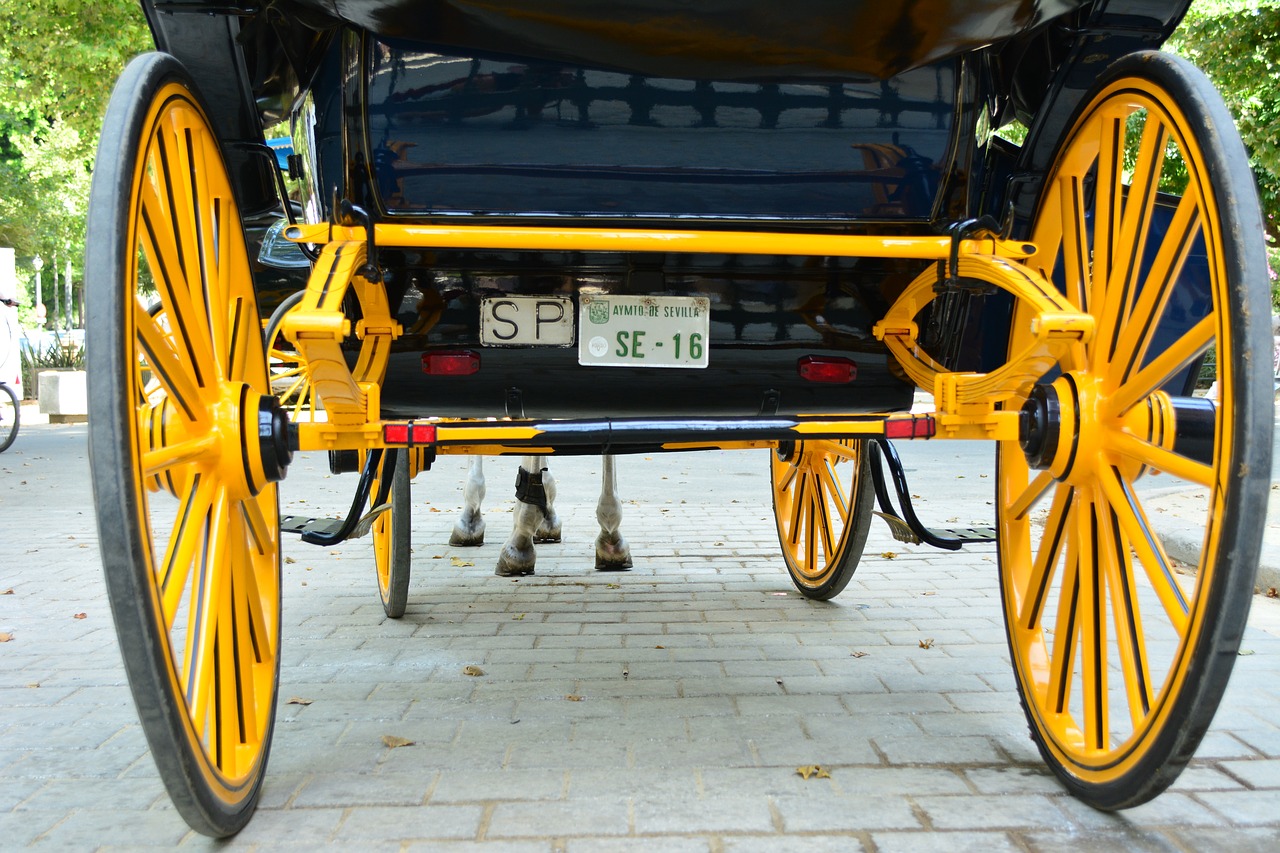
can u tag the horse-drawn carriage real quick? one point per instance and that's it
(641, 226)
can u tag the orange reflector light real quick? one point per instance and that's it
(827, 369)
(409, 434)
(450, 363)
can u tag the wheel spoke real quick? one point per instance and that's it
(1093, 627)
(1108, 197)
(1065, 639)
(831, 485)
(206, 599)
(1155, 563)
(1075, 249)
(186, 546)
(1026, 500)
(1160, 459)
(1189, 347)
(1124, 279)
(1035, 593)
(181, 453)
(1135, 337)
(178, 376)
(1130, 639)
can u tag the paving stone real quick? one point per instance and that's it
(694, 748)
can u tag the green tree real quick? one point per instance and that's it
(58, 62)
(1237, 43)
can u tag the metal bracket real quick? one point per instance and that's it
(907, 527)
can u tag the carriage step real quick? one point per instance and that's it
(328, 528)
(960, 535)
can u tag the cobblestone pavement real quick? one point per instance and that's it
(662, 709)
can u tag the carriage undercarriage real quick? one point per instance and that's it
(1126, 291)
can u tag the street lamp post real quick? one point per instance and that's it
(66, 326)
(38, 263)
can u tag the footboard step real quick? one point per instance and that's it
(953, 536)
(302, 524)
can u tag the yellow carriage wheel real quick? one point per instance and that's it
(1123, 621)
(287, 371)
(187, 446)
(822, 499)
(391, 536)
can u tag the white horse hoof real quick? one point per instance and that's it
(513, 563)
(466, 538)
(612, 556)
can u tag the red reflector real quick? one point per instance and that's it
(401, 433)
(450, 363)
(922, 427)
(823, 369)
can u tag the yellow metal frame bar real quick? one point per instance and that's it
(967, 402)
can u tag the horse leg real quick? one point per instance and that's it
(549, 528)
(612, 551)
(469, 529)
(517, 556)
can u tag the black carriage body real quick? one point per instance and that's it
(861, 119)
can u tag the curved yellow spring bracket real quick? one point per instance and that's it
(1056, 326)
(317, 328)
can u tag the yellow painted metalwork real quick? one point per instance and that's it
(1055, 325)
(574, 239)
(317, 329)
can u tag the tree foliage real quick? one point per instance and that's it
(1237, 44)
(58, 62)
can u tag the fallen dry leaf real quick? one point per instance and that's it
(4, 638)
(392, 741)
(290, 560)
(1271, 593)
(81, 616)
(298, 700)
(518, 618)
(888, 555)
(472, 670)
(860, 654)
(813, 771)
(926, 644)
(460, 563)
(1245, 652)
(9, 591)
(930, 592)
(574, 697)
(659, 647)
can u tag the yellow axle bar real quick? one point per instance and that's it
(575, 239)
(675, 434)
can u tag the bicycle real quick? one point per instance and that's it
(10, 407)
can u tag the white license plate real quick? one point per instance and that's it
(526, 321)
(643, 331)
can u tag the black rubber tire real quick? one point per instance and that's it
(1120, 665)
(391, 540)
(215, 788)
(10, 415)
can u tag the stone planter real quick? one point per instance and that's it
(64, 396)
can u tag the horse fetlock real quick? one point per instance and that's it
(468, 531)
(548, 529)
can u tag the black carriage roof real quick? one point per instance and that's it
(710, 39)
